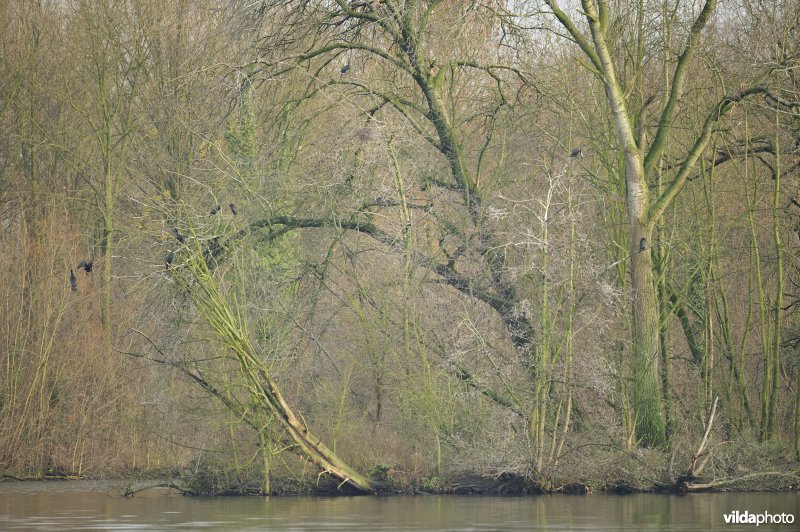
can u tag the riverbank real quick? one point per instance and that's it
(464, 485)
(94, 505)
(741, 466)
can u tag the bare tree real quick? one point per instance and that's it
(642, 160)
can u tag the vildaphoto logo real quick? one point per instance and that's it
(764, 518)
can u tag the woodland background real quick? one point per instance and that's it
(535, 242)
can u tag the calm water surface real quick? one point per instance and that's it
(84, 505)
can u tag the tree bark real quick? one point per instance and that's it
(649, 420)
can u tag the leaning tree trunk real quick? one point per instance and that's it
(310, 445)
(195, 277)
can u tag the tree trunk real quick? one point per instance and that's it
(647, 390)
(310, 445)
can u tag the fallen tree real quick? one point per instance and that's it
(266, 401)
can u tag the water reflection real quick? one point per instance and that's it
(97, 506)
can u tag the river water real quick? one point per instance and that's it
(85, 505)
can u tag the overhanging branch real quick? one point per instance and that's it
(723, 107)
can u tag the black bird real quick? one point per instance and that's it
(73, 282)
(575, 153)
(169, 258)
(174, 232)
(345, 68)
(233, 209)
(215, 210)
(642, 244)
(86, 265)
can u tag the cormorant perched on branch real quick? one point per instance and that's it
(345, 68)
(174, 232)
(215, 210)
(86, 265)
(575, 153)
(432, 68)
(169, 258)
(73, 282)
(643, 244)
(233, 209)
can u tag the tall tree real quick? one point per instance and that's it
(642, 161)
(418, 67)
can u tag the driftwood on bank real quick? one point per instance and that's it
(128, 492)
(724, 483)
